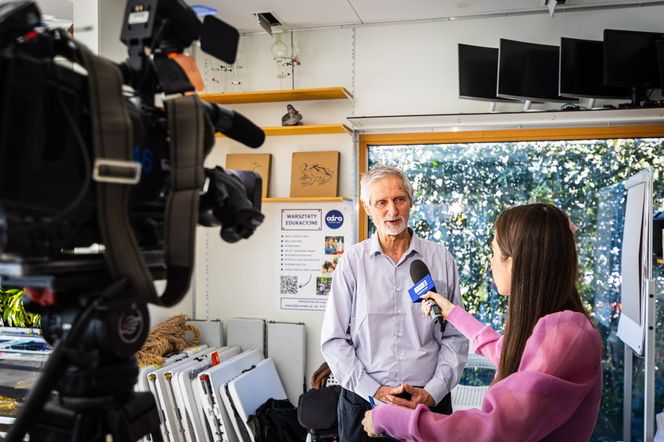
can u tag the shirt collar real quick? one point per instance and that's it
(415, 245)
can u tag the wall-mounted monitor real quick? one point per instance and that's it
(630, 58)
(478, 73)
(582, 71)
(529, 71)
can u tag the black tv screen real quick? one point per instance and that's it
(630, 58)
(582, 70)
(528, 71)
(478, 73)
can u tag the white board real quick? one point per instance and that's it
(252, 389)
(248, 334)
(286, 346)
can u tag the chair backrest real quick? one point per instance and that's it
(477, 361)
(465, 397)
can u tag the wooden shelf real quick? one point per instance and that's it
(324, 93)
(329, 199)
(310, 129)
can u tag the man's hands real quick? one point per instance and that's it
(390, 395)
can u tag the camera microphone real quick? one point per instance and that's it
(419, 273)
(234, 125)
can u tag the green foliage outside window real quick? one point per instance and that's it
(461, 188)
(12, 311)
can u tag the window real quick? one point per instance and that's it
(462, 185)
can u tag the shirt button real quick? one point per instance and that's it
(398, 311)
(399, 334)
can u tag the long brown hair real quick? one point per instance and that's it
(544, 273)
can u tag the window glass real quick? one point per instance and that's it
(461, 188)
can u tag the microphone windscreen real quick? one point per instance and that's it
(418, 270)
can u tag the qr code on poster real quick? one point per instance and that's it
(289, 285)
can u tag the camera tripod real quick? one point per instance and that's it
(93, 370)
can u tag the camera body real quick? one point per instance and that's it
(51, 173)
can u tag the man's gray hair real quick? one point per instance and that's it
(378, 173)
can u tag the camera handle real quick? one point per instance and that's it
(95, 388)
(112, 139)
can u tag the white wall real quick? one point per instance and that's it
(417, 63)
(397, 69)
(97, 24)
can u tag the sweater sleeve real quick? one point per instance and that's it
(485, 340)
(560, 366)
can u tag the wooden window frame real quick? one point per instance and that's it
(491, 136)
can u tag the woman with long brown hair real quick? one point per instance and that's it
(549, 378)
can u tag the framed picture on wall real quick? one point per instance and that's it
(255, 162)
(315, 174)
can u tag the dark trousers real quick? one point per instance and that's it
(351, 409)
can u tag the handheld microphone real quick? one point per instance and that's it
(419, 273)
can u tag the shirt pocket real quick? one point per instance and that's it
(441, 287)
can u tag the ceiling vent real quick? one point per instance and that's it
(267, 21)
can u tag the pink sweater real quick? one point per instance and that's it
(553, 396)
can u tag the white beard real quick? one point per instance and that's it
(395, 230)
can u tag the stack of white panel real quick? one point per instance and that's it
(162, 386)
(212, 383)
(249, 391)
(188, 403)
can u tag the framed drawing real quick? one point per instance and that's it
(255, 162)
(315, 174)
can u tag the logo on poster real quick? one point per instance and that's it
(334, 219)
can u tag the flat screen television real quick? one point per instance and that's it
(478, 73)
(529, 71)
(630, 58)
(582, 71)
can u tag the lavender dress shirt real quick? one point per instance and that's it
(374, 335)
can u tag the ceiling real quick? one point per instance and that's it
(321, 13)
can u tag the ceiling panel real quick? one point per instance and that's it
(292, 13)
(383, 11)
(319, 13)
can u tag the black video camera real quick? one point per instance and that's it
(64, 114)
(96, 153)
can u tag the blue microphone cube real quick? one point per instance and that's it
(422, 287)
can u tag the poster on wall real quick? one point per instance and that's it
(312, 238)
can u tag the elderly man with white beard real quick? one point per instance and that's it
(375, 340)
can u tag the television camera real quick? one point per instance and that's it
(98, 153)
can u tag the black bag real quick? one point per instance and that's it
(277, 421)
(317, 409)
